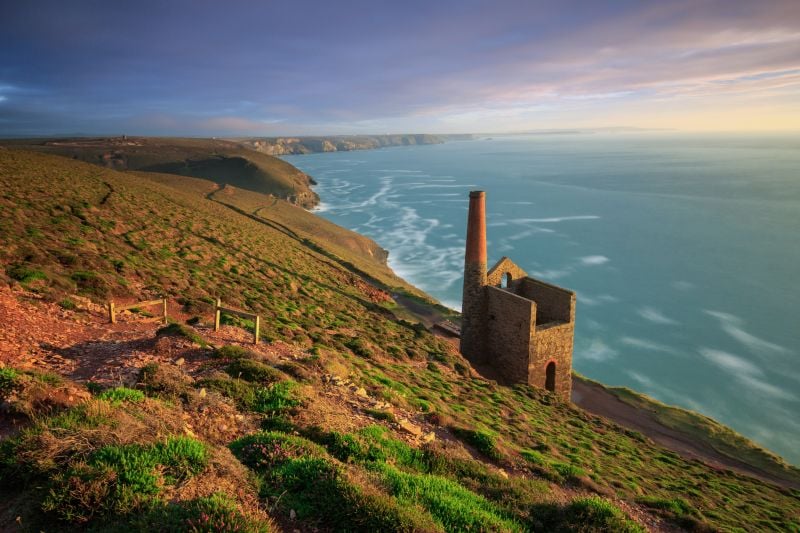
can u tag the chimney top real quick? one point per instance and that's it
(476, 194)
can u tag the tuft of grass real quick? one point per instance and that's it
(117, 395)
(276, 398)
(379, 414)
(232, 351)
(483, 441)
(67, 304)
(451, 505)
(179, 330)
(217, 512)
(597, 514)
(24, 274)
(253, 371)
(8, 381)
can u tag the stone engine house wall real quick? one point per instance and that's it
(522, 327)
(510, 321)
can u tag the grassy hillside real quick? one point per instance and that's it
(224, 162)
(350, 417)
(705, 431)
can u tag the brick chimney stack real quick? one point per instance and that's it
(475, 268)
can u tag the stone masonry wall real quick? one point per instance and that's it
(552, 344)
(553, 304)
(509, 323)
(504, 266)
(473, 314)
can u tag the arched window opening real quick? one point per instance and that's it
(550, 377)
(505, 280)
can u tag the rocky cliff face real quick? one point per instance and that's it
(307, 145)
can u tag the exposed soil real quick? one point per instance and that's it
(599, 401)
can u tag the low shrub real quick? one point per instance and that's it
(24, 273)
(254, 371)
(232, 351)
(165, 380)
(211, 514)
(119, 479)
(179, 330)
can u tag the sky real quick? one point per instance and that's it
(298, 67)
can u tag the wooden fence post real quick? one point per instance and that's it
(165, 311)
(111, 315)
(256, 332)
(217, 313)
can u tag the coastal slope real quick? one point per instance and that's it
(347, 414)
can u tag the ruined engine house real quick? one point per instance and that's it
(520, 327)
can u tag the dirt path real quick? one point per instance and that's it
(596, 400)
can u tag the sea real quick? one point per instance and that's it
(683, 249)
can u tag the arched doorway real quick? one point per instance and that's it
(550, 376)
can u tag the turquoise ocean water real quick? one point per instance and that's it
(684, 251)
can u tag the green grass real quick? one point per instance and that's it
(452, 506)
(8, 381)
(597, 514)
(253, 371)
(706, 430)
(483, 441)
(24, 274)
(215, 513)
(118, 395)
(120, 479)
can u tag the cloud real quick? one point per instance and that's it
(350, 66)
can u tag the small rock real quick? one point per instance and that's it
(203, 392)
(292, 514)
(503, 473)
(429, 437)
(408, 427)
(180, 361)
(361, 391)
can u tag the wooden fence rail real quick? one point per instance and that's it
(219, 309)
(113, 309)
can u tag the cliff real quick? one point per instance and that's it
(307, 145)
(348, 415)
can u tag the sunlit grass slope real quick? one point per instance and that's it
(221, 161)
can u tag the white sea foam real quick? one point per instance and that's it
(732, 325)
(553, 220)
(730, 362)
(646, 344)
(655, 316)
(598, 351)
(594, 260)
